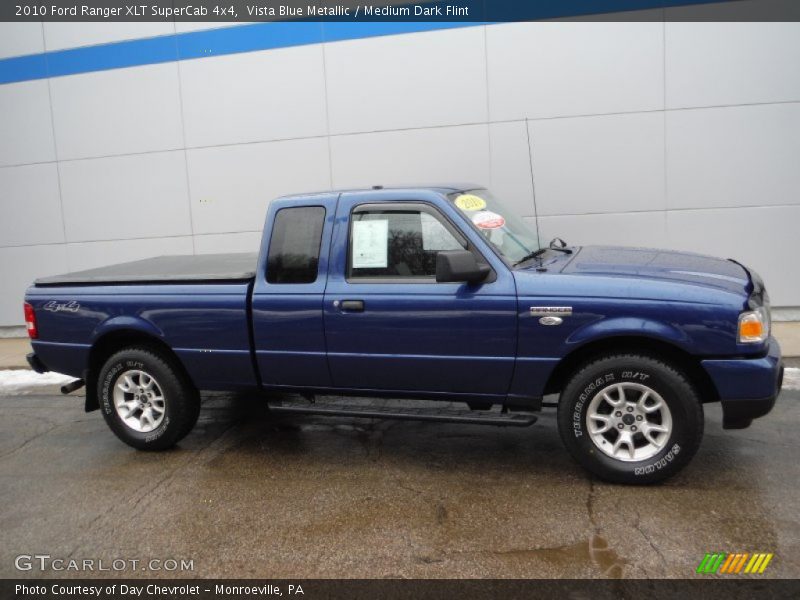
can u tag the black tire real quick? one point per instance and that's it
(181, 401)
(681, 398)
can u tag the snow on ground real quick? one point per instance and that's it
(791, 379)
(14, 381)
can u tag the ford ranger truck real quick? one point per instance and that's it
(424, 293)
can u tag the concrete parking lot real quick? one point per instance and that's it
(249, 495)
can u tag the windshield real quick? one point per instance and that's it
(508, 233)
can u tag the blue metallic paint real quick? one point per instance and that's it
(210, 336)
(288, 328)
(439, 340)
(441, 337)
(746, 379)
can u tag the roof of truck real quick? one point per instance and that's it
(446, 188)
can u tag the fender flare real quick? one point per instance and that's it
(109, 327)
(126, 323)
(627, 333)
(627, 327)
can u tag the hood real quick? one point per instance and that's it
(663, 265)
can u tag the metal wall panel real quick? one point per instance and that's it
(678, 135)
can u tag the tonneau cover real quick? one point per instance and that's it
(165, 269)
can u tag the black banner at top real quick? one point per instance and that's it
(488, 11)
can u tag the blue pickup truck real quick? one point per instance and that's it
(434, 293)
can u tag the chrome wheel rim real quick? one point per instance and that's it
(629, 421)
(139, 400)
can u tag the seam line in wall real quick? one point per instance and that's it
(664, 121)
(486, 73)
(488, 111)
(673, 210)
(327, 109)
(398, 130)
(378, 131)
(183, 137)
(57, 162)
(135, 239)
(537, 217)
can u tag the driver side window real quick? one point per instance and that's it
(398, 243)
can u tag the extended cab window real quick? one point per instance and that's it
(294, 246)
(398, 243)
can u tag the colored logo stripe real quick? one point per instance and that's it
(721, 562)
(735, 562)
(758, 563)
(711, 562)
(727, 564)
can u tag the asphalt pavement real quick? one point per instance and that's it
(251, 495)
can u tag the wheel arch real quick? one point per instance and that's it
(113, 341)
(627, 344)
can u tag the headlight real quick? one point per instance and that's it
(754, 326)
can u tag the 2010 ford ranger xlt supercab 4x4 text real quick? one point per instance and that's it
(425, 293)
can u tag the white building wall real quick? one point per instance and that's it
(678, 135)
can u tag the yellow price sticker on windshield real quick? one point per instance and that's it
(470, 202)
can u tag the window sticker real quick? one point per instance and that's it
(487, 219)
(435, 236)
(470, 202)
(371, 244)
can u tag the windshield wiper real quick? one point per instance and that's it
(530, 255)
(556, 244)
(559, 245)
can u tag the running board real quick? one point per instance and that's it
(441, 415)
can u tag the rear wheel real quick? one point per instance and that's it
(146, 400)
(630, 419)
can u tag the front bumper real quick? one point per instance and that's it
(747, 387)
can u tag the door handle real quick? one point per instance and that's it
(352, 305)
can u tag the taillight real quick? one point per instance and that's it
(30, 322)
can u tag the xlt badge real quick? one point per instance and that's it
(546, 311)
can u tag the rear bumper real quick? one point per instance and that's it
(35, 363)
(747, 387)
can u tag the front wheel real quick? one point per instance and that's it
(146, 400)
(630, 419)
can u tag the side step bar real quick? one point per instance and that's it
(441, 415)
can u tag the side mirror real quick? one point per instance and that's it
(459, 265)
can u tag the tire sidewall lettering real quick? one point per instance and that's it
(660, 463)
(669, 380)
(605, 377)
(107, 404)
(587, 393)
(108, 384)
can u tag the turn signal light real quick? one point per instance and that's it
(753, 326)
(751, 329)
(30, 322)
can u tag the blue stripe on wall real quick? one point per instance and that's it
(279, 34)
(199, 44)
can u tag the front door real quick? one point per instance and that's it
(390, 326)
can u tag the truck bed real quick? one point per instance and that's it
(164, 269)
